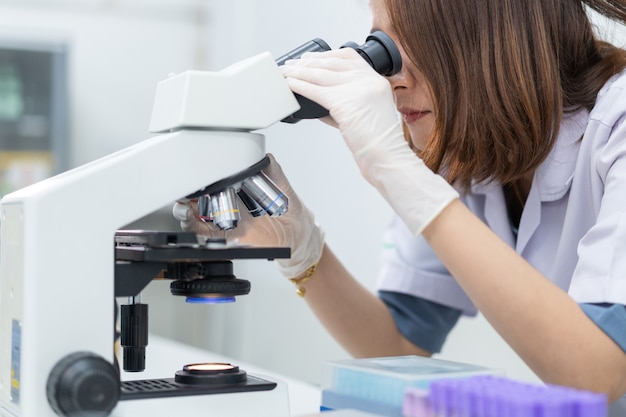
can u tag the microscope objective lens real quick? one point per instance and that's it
(224, 209)
(253, 207)
(204, 208)
(266, 194)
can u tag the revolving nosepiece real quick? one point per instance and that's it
(258, 193)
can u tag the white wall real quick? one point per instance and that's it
(121, 49)
(116, 58)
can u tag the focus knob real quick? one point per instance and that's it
(83, 385)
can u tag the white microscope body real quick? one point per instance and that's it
(57, 236)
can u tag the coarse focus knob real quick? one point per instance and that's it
(83, 385)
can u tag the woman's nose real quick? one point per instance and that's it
(401, 79)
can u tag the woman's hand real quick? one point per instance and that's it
(360, 102)
(295, 229)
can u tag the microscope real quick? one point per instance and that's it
(64, 262)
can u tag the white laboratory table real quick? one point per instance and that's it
(165, 356)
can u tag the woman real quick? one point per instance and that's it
(507, 172)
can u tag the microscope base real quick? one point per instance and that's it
(167, 387)
(265, 403)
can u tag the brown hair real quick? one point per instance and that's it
(502, 73)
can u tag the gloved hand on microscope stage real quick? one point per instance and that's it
(296, 229)
(361, 106)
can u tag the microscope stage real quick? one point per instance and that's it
(157, 246)
(141, 255)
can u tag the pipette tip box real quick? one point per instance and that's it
(378, 385)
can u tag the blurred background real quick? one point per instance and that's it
(77, 81)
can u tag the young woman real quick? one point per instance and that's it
(507, 172)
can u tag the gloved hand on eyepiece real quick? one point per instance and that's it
(296, 229)
(361, 105)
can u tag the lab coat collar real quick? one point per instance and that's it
(554, 176)
(551, 181)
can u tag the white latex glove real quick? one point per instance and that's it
(296, 229)
(360, 102)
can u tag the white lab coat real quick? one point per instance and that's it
(572, 229)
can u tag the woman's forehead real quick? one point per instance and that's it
(380, 19)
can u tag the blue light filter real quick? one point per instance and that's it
(210, 300)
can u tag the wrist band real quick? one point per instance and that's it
(299, 281)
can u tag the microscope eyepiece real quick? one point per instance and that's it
(379, 51)
(314, 45)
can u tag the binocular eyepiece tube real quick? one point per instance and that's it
(258, 193)
(379, 51)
